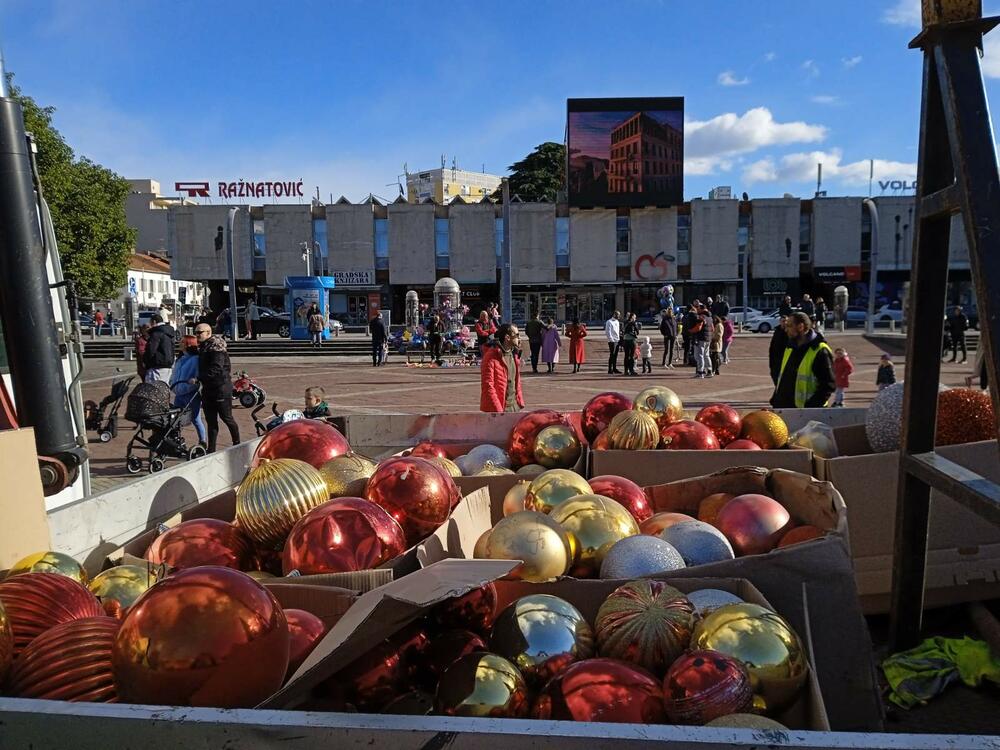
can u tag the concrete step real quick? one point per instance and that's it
(260, 348)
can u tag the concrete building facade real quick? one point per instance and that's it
(445, 185)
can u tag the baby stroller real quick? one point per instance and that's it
(103, 417)
(158, 428)
(279, 418)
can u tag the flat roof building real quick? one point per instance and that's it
(444, 185)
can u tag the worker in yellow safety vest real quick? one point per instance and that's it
(806, 379)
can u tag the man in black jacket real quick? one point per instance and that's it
(720, 307)
(159, 355)
(958, 324)
(215, 375)
(805, 379)
(776, 350)
(377, 330)
(535, 329)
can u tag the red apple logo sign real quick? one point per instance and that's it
(653, 268)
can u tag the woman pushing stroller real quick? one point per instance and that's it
(184, 384)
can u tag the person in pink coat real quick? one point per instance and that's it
(728, 332)
(551, 341)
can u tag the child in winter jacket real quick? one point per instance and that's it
(842, 369)
(886, 373)
(646, 350)
(715, 352)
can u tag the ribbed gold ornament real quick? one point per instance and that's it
(450, 466)
(272, 497)
(347, 475)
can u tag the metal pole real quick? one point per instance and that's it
(506, 301)
(873, 258)
(234, 330)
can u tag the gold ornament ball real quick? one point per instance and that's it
(479, 549)
(536, 540)
(661, 403)
(557, 447)
(50, 562)
(595, 523)
(490, 469)
(513, 501)
(117, 588)
(765, 643)
(530, 470)
(552, 487)
(347, 475)
(482, 685)
(276, 494)
(766, 429)
(632, 430)
(450, 466)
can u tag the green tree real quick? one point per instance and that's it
(87, 203)
(539, 175)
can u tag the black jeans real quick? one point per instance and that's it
(714, 356)
(958, 342)
(317, 337)
(376, 353)
(613, 348)
(629, 347)
(687, 356)
(435, 341)
(215, 408)
(536, 350)
(668, 350)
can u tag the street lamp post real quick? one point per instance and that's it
(233, 315)
(506, 297)
(307, 257)
(873, 259)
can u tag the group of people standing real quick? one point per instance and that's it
(545, 341)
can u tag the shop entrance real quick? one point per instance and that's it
(590, 308)
(529, 303)
(357, 309)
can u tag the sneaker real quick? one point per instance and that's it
(710, 375)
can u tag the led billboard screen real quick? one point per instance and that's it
(625, 152)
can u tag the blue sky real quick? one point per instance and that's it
(342, 94)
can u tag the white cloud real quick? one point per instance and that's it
(728, 78)
(811, 68)
(850, 62)
(991, 56)
(825, 99)
(903, 13)
(801, 167)
(770, 56)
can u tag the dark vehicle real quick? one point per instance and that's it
(271, 321)
(107, 329)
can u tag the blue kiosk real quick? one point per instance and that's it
(300, 293)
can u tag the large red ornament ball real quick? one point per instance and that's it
(688, 435)
(721, 419)
(35, 602)
(597, 413)
(965, 415)
(625, 492)
(475, 610)
(800, 534)
(704, 685)
(205, 636)
(521, 445)
(202, 541)
(428, 449)
(70, 662)
(305, 630)
(709, 507)
(753, 524)
(417, 492)
(341, 535)
(605, 690)
(742, 444)
(309, 440)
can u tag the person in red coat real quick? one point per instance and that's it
(842, 369)
(577, 332)
(500, 372)
(484, 329)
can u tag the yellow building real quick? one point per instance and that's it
(444, 185)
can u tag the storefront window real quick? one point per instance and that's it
(562, 242)
(381, 244)
(441, 243)
(643, 301)
(591, 308)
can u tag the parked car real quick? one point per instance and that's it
(762, 322)
(107, 329)
(856, 316)
(736, 313)
(271, 321)
(891, 312)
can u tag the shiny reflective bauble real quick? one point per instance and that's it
(765, 428)
(709, 600)
(201, 541)
(342, 535)
(741, 444)
(311, 440)
(765, 643)
(698, 543)
(800, 534)
(644, 622)
(489, 470)
(625, 492)
(521, 446)
(6, 643)
(747, 721)
(638, 556)
(704, 685)
(260, 575)
(883, 420)
(485, 455)
(534, 538)
(206, 636)
(276, 494)
(633, 431)
(418, 493)
(754, 524)
(35, 602)
(482, 685)
(265, 559)
(428, 449)
(117, 588)
(347, 475)
(513, 500)
(552, 487)
(723, 420)
(448, 465)
(70, 662)
(557, 447)
(965, 415)
(479, 548)
(541, 634)
(530, 470)
(305, 630)
(661, 403)
(597, 413)
(662, 520)
(688, 435)
(605, 690)
(709, 507)
(413, 703)
(445, 649)
(474, 610)
(50, 562)
(602, 442)
(595, 523)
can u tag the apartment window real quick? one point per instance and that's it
(866, 239)
(805, 238)
(381, 244)
(622, 234)
(498, 238)
(142, 285)
(562, 242)
(259, 246)
(684, 240)
(319, 237)
(741, 238)
(441, 243)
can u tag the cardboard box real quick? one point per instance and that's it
(963, 551)
(25, 528)
(662, 466)
(380, 613)
(328, 603)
